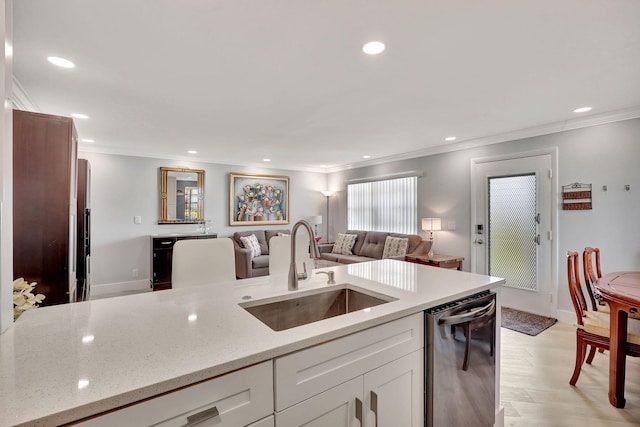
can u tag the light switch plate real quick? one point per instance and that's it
(137, 219)
(451, 225)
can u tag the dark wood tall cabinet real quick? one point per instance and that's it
(44, 204)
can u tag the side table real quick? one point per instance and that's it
(437, 260)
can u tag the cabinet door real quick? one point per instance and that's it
(161, 259)
(335, 407)
(393, 393)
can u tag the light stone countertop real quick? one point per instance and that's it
(63, 363)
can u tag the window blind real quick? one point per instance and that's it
(389, 205)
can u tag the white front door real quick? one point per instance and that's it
(512, 229)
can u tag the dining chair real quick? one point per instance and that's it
(593, 326)
(280, 254)
(202, 261)
(591, 275)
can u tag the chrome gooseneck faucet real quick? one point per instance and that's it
(315, 253)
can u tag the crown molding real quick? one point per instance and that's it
(546, 129)
(21, 99)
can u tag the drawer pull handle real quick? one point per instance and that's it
(166, 243)
(359, 410)
(201, 416)
(374, 405)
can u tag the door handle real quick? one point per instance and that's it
(359, 410)
(479, 241)
(374, 406)
(202, 416)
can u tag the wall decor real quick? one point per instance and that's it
(258, 199)
(181, 196)
(576, 197)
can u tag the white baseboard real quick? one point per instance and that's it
(566, 316)
(110, 288)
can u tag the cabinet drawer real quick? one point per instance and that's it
(239, 398)
(163, 242)
(306, 373)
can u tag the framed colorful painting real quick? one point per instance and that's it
(258, 199)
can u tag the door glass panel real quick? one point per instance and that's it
(512, 230)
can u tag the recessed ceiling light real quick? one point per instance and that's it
(266, 160)
(83, 384)
(366, 156)
(79, 116)
(373, 48)
(582, 109)
(87, 339)
(192, 152)
(450, 138)
(61, 62)
(87, 140)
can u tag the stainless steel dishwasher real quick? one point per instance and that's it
(460, 362)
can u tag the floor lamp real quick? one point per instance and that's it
(327, 194)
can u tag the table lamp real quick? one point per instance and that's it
(431, 225)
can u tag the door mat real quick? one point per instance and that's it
(526, 323)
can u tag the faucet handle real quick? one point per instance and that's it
(330, 276)
(303, 275)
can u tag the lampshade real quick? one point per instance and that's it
(316, 220)
(327, 193)
(431, 224)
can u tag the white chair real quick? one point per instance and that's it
(202, 261)
(280, 254)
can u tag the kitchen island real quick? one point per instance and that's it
(66, 363)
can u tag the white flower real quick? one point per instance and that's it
(23, 298)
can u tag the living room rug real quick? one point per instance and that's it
(526, 323)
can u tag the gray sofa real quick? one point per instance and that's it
(369, 246)
(246, 266)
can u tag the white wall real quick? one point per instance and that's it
(123, 187)
(6, 171)
(601, 155)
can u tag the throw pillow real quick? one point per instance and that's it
(344, 244)
(395, 246)
(251, 242)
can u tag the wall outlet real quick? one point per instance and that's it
(137, 219)
(134, 273)
(451, 225)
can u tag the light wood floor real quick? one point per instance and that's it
(535, 388)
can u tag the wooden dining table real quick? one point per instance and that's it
(621, 290)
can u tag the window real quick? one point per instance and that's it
(390, 205)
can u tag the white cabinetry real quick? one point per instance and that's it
(394, 393)
(352, 380)
(236, 399)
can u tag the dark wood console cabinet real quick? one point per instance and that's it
(162, 257)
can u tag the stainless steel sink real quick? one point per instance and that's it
(313, 306)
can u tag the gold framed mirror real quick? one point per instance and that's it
(181, 196)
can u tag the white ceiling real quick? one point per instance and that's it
(242, 80)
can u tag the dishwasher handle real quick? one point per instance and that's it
(477, 313)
